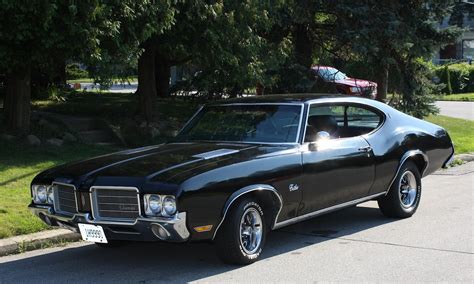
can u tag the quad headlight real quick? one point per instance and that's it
(169, 206)
(159, 205)
(42, 194)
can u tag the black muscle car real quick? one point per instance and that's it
(240, 168)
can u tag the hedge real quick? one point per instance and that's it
(457, 78)
(74, 71)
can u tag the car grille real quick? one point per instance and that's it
(115, 203)
(65, 199)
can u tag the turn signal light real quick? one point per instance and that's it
(202, 229)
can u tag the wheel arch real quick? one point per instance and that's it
(418, 157)
(267, 195)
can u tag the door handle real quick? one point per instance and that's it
(365, 149)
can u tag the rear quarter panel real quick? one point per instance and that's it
(402, 133)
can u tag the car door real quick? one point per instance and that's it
(339, 169)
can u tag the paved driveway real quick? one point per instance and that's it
(463, 110)
(357, 244)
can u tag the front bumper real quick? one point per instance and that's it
(143, 229)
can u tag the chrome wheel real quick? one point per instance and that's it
(251, 231)
(407, 189)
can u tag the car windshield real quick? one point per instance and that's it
(245, 123)
(331, 74)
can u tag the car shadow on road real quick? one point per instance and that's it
(149, 262)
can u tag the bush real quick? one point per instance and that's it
(74, 72)
(457, 77)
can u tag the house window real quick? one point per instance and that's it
(468, 48)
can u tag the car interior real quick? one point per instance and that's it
(341, 121)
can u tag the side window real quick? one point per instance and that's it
(358, 117)
(341, 121)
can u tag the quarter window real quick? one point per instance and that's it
(341, 121)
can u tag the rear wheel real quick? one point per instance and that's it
(404, 195)
(241, 238)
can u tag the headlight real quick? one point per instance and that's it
(40, 194)
(169, 206)
(152, 204)
(159, 205)
(355, 90)
(50, 195)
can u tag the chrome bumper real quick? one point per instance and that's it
(142, 229)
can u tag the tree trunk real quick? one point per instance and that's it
(17, 101)
(162, 76)
(60, 73)
(146, 84)
(303, 46)
(382, 84)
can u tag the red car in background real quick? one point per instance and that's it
(343, 84)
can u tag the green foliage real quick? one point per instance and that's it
(132, 25)
(461, 77)
(74, 72)
(417, 90)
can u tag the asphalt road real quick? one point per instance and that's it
(463, 110)
(356, 244)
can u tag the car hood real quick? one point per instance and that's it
(159, 163)
(356, 82)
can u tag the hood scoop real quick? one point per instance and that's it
(215, 154)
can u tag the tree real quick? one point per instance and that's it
(138, 25)
(35, 34)
(382, 35)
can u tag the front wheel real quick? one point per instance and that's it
(241, 238)
(404, 195)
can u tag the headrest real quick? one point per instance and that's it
(326, 123)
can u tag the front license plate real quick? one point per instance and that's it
(92, 233)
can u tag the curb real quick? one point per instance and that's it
(38, 240)
(467, 157)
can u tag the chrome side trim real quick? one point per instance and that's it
(95, 205)
(405, 157)
(325, 210)
(191, 119)
(56, 198)
(245, 190)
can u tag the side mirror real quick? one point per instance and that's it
(320, 137)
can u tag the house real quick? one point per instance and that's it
(463, 49)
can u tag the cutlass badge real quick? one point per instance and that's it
(293, 187)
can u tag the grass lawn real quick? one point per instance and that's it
(20, 163)
(115, 105)
(461, 131)
(458, 97)
(91, 80)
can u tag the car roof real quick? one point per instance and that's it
(302, 99)
(280, 98)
